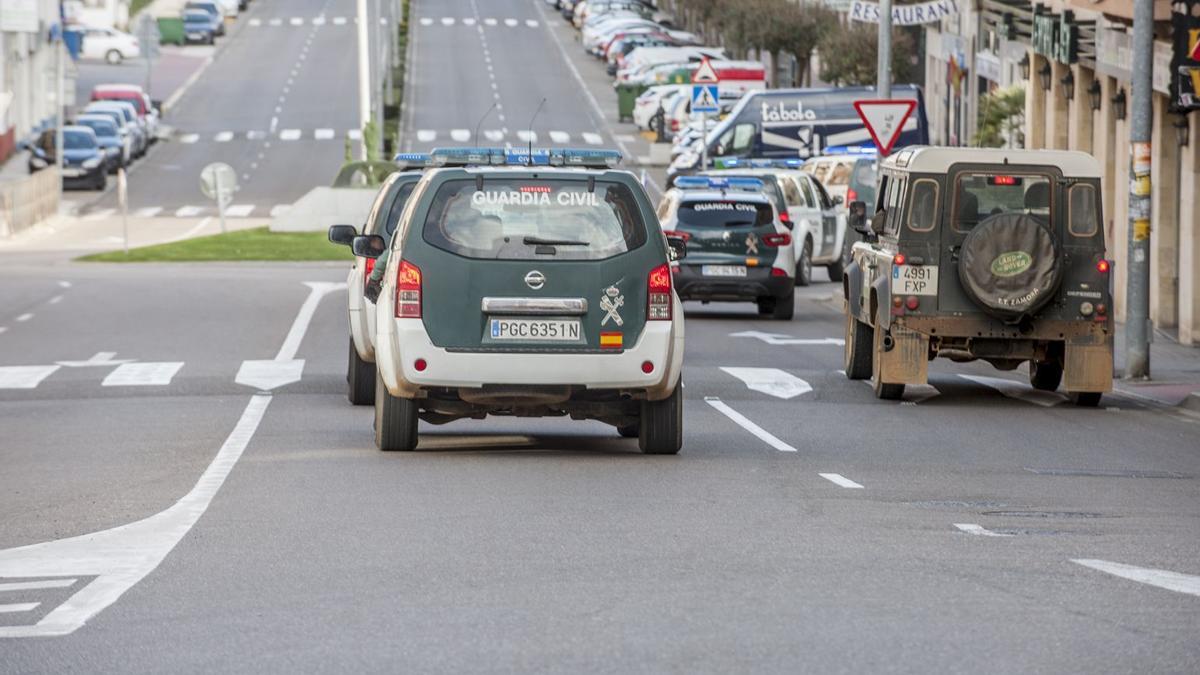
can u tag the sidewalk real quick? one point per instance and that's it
(63, 237)
(1174, 371)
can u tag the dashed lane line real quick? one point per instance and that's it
(223, 137)
(840, 480)
(239, 210)
(1172, 581)
(24, 377)
(187, 211)
(24, 317)
(742, 421)
(979, 530)
(147, 212)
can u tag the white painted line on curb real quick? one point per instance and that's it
(239, 210)
(1172, 581)
(24, 377)
(773, 381)
(187, 211)
(979, 530)
(289, 135)
(24, 317)
(18, 607)
(840, 480)
(746, 424)
(1018, 390)
(142, 374)
(147, 212)
(37, 585)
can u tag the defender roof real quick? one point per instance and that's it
(930, 159)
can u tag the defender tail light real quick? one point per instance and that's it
(1103, 266)
(408, 291)
(899, 259)
(777, 239)
(658, 307)
(912, 302)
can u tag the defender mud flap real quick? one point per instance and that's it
(907, 362)
(1088, 364)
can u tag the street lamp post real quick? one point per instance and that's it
(364, 75)
(883, 80)
(1137, 291)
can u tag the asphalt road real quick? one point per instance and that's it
(192, 523)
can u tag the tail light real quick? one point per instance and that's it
(777, 239)
(1103, 266)
(674, 125)
(408, 291)
(851, 195)
(659, 306)
(785, 218)
(776, 272)
(682, 235)
(368, 268)
(899, 259)
(912, 302)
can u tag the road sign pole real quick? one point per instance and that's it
(704, 141)
(123, 199)
(220, 199)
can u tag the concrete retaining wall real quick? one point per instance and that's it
(28, 201)
(324, 206)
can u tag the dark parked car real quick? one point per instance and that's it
(109, 138)
(213, 10)
(83, 159)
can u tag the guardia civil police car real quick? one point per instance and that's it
(528, 284)
(738, 248)
(362, 286)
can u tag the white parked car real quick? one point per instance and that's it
(646, 105)
(110, 45)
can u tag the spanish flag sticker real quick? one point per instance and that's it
(611, 341)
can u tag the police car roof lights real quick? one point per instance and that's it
(413, 160)
(758, 163)
(527, 157)
(518, 156)
(869, 150)
(596, 159)
(719, 183)
(468, 156)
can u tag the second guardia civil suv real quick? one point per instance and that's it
(529, 285)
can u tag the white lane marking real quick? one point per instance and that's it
(18, 607)
(323, 134)
(239, 210)
(147, 212)
(493, 135)
(291, 344)
(628, 138)
(782, 339)
(510, 22)
(490, 22)
(979, 530)
(426, 135)
(24, 377)
(460, 135)
(55, 300)
(100, 214)
(1172, 581)
(773, 381)
(426, 21)
(3, 329)
(354, 134)
(64, 284)
(531, 23)
(746, 424)
(527, 136)
(37, 585)
(317, 21)
(187, 211)
(447, 21)
(297, 21)
(223, 137)
(256, 22)
(839, 479)
(274, 124)
(289, 135)
(276, 22)
(142, 374)
(24, 317)
(189, 138)
(468, 21)
(99, 359)
(339, 21)
(265, 375)
(280, 209)
(1018, 390)
(560, 137)
(592, 138)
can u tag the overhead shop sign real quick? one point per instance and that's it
(1055, 37)
(904, 15)
(1185, 56)
(19, 16)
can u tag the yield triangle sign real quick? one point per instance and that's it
(884, 120)
(705, 73)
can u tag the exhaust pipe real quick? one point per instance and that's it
(888, 343)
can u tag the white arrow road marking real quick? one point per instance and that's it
(1172, 581)
(1019, 391)
(746, 424)
(18, 607)
(781, 339)
(37, 585)
(98, 359)
(122, 556)
(24, 377)
(268, 375)
(979, 530)
(771, 381)
(839, 479)
(142, 374)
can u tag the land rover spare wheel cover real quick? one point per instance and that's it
(1009, 265)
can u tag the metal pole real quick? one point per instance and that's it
(703, 141)
(1137, 290)
(375, 82)
(61, 103)
(123, 197)
(220, 198)
(364, 74)
(883, 79)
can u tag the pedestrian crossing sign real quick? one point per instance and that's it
(704, 98)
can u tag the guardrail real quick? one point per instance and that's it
(27, 202)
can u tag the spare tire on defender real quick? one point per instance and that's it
(1009, 265)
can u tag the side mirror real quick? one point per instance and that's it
(156, 106)
(856, 217)
(368, 245)
(342, 234)
(878, 222)
(838, 200)
(676, 248)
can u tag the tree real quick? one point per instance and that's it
(1002, 118)
(850, 54)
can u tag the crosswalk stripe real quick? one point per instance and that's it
(510, 22)
(147, 212)
(223, 137)
(188, 211)
(297, 21)
(318, 21)
(24, 377)
(592, 138)
(339, 21)
(531, 23)
(1019, 391)
(460, 135)
(354, 134)
(256, 22)
(489, 22)
(37, 585)
(468, 21)
(289, 135)
(527, 136)
(239, 210)
(18, 607)
(276, 22)
(189, 138)
(560, 137)
(323, 134)
(142, 374)
(426, 135)
(100, 214)
(447, 21)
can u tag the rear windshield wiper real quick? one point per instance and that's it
(538, 241)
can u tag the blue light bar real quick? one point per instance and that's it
(467, 156)
(851, 150)
(523, 157)
(597, 159)
(413, 160)
(719, 183)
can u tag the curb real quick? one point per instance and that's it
(1191, 402)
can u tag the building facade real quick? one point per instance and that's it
(28, 70)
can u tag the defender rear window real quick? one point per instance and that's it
(923, 205)
(724, 213)
(534, 219)
(978, 196)
(1083, 220)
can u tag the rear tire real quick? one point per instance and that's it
(859, 338)
(887, 391)
(360, 376)
(1087, 399)
(113, 57)
(395, 419)
(804, 264)
(785, 307)
(1045, 375)
(661, 427)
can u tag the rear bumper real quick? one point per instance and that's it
(690, 284)
(402, 341)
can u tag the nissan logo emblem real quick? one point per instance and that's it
(535, 280)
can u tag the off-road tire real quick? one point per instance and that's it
(1045, 375)
(859, 339)
(1086, 399)
(885, 390)
(661, 427)
(113, 57)
(804, 264)
(395, 419)
(360, 378)
(785, 307)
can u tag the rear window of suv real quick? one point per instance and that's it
(978, 196)
(724, 213)
(534, 219)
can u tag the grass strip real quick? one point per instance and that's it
(254, 244)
